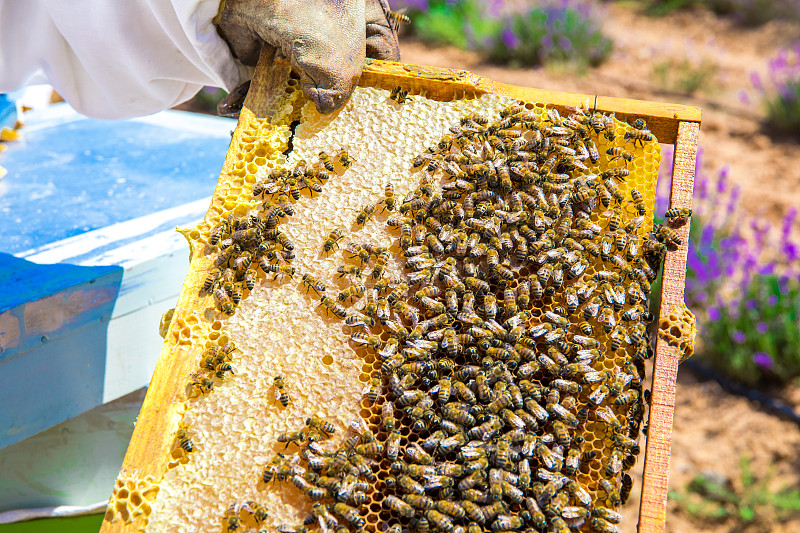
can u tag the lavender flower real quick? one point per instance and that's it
(510, 39)
(762, 360)
(739, 337)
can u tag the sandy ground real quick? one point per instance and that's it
(713, 430)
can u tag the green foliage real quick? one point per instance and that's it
(746, 12)
(551, 32)
(764, 322)
(686, 76)
(711, 499)
(783, 109)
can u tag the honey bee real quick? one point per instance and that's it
(638, 135)
(677, 214)
(198, 385)
(395, 504)
(396, 18)
(373, 341)
(320, 424)
(184, 441)
(224, 302)
(399, 94)
(619, 153)
(625, 491)
(258, 511)
(332, 241)
(365, 214)
(350, 514)
(619, 173)
(667, 235)
(211, 281)
(609, 488)
(389, 199)
(280, 391)
(232, 521)
(345, 159)
(279, 270)
(333, 307)
(270, 470)
(326, 161)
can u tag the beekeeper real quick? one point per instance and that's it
(117, 59)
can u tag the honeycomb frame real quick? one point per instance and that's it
(194, 318)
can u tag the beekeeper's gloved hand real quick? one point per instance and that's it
(326, 40)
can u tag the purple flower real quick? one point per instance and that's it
(772, 300)
(755, 80)
(509, 38)
(762, 328)
(744, 97)
(714, 314)
(762, 360)
(751, 304)
(739, 337)
(565, 44)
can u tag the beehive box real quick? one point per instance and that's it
(282, 327)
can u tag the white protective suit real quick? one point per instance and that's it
(154, 54)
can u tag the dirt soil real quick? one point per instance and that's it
(713, 430)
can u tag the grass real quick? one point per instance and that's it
(707, 498)
(686, 76)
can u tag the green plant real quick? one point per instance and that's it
(746, 12)
(709, 498)
(551, 31)
(686, 76)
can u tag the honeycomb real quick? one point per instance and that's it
(346, 373)
(678, 329)
(132, 500)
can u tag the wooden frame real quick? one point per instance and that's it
(148, 453)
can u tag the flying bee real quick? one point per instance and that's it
(280, 392)
(677, 214)
(395, 18)
(399, 94)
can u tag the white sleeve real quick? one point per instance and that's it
(115, 58)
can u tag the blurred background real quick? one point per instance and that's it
(734, 462)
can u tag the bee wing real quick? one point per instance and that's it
(277, 393)
(358, 425)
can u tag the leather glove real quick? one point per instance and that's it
(325, 40)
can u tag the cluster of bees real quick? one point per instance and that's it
(246, 244)
(525, 274)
